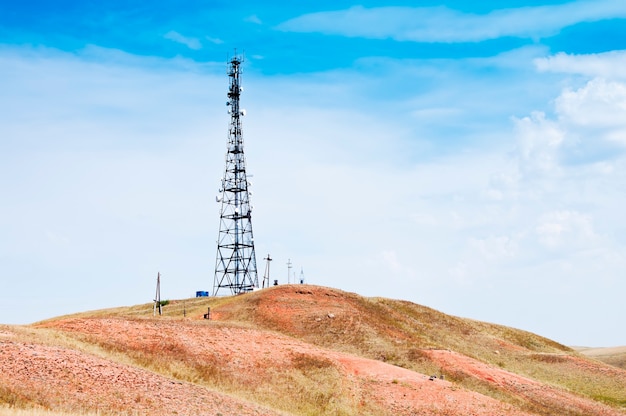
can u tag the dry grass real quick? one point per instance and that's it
(315, 383)
(190, 308)
(615, 356)
(12, 411)
(397, 332)
(309, 386)
(14, 402)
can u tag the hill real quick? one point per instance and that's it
(615, 356)
(296, 350)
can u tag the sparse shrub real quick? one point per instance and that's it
(9, 397)
(415, 354)
(308, 362)
(549, 358)
(456, 376)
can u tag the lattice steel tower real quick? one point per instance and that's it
(235, 263)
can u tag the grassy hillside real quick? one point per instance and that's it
(401, 333)
(307, 350)
(615, 356)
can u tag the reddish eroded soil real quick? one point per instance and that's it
(249, 354)
(405, 392)
(68, 380)
(296, 310)
(271, 337)
(533, 391)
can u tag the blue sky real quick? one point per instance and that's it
(465, 157)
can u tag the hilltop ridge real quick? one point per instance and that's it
(299, 350)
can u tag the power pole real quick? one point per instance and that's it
(266, 275)
(289, 271)
(235, 263)
(157, 297)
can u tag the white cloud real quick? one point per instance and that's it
(191, 43)
(441, 24)
(589, 128)
(102, 157)
(428, 114)
(390, 258)
(502, 185)
(593, 116)
(495, 248)
(253, 19)
(551, 215)
(600, 105)
(215, 41)
(539, 142)
(595, 112)
(571, 228)
(608, 65)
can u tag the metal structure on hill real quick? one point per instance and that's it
(289, 271)
(266, 275)
(157, 297)
(235, 263)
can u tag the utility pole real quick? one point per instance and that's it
(235, 263)
(289, 271)
(157, 297)
(266, 275)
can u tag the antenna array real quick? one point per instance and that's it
(235, 264)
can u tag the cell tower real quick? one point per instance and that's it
(235, 263)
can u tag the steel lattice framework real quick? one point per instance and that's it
(235, 264)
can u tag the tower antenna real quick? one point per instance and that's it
(235, 263)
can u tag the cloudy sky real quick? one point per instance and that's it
(467, 157)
